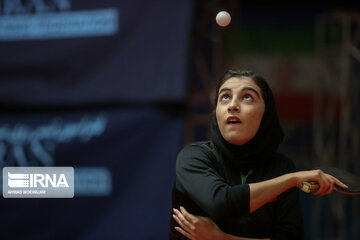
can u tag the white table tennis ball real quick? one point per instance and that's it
(223, 18)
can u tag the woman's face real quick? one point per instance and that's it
(239, 109)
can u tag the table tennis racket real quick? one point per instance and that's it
(351, 180)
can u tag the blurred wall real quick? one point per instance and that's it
(99, 86)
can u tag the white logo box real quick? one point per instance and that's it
(38, 182)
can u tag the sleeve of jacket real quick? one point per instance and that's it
(289, 221)
(198, 178)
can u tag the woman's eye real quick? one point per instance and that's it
(248, 97)
(225, 97)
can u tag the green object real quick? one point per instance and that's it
(274, 40)
(244, 177)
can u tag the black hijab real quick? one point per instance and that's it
(262, 147)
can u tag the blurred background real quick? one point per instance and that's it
(116, 88)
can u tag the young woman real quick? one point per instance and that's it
(237, 186)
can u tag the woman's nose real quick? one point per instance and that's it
(233, 107)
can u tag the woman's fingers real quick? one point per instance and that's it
(327, 183)
(186, 234)
(328, 189)
(327, 186)
(181, 220)
(339, 183)
(186, 222)
(187, 215)
(178, 220)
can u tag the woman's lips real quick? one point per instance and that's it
(233, 120)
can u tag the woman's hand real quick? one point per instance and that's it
(196, 227)
(265, 191)
(326, 182)
(201, 228)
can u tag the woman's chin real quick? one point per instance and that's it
(235, 140)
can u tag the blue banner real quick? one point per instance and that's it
(65, 52)
(123, 161)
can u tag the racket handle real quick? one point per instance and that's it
(309, 187)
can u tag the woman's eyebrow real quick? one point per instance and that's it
(224, 90)
(250, 89)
